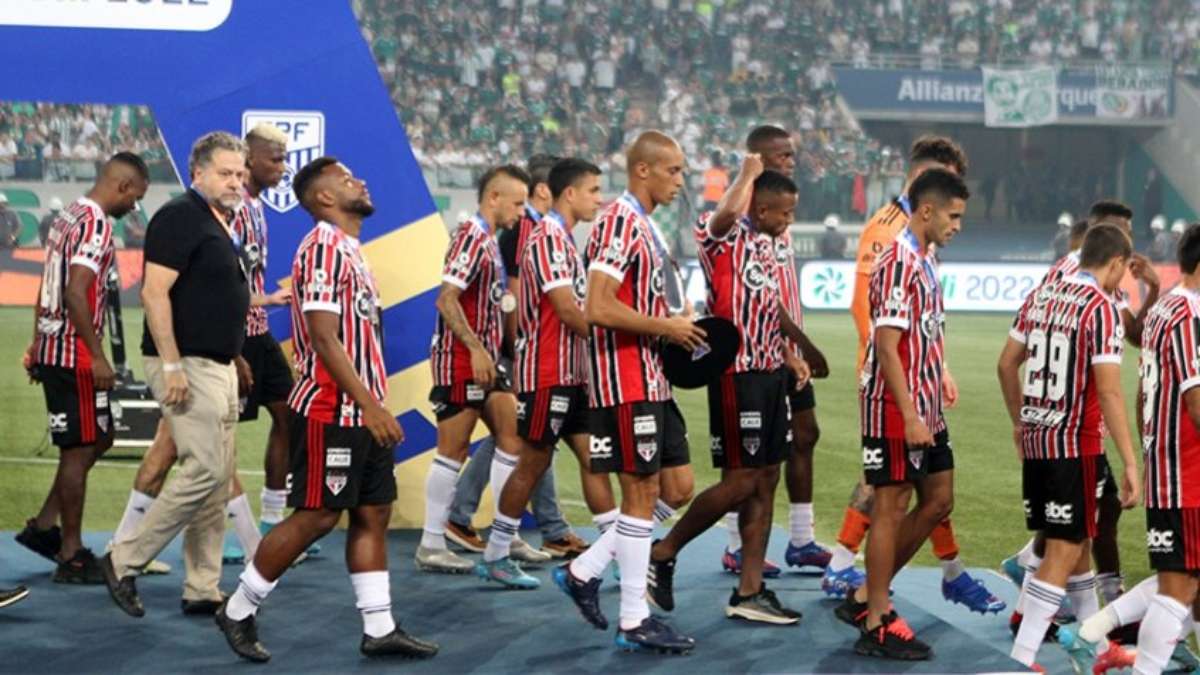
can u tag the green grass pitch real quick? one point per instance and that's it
(987, 513)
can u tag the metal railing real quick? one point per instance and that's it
(953, 61)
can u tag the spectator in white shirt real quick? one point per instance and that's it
(860, 51)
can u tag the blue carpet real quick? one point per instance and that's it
(310, 623)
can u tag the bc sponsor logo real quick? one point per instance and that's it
(872, 458)
(600, 447)
(1059, 514)
(305, 130)
(1160, 541)
(58, 422)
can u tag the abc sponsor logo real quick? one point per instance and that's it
(1060, 514)
(1160, 541)
(872, 459)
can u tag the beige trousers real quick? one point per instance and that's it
(203, 431)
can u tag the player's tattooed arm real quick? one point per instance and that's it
(483, 368)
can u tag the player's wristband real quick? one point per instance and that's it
(172, 367)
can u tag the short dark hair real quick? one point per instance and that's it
(539, 166)
(568, 172)
(1109, 207)
(761, 135)
(937, 182)
(1103, 243)
(939, 149)
(511, 170)
(775, 183)
(134, 161)
(1078, 230)
(1189, 249)
(304, 178)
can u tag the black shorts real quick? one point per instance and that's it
(641, 438)
(449, 400)
(1060, 495)
(804, 399)
(1110, 491)
(546, 415)
(272, 374)
(78, 414)
(338, 468)
(749, 420)
(1173, 539)
(888, 461)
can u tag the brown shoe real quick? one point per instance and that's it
(465, 537)
(567, 548)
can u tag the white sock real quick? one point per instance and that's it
(1099, 625)
(251, 591)
(135, 509)
(1030, 569)
(440, 485)
(500, 539)
(605, 520)
(1081, 589)
(1026, 555)
(842, 558)
(1132, 606)
(800, 521)
(1109, 584)
(1158, 635)
(662, 512)
(501, 468)
(952, 569)
(238, 510)
(1041, 601)
(273, 504)
(373, 597)
(633, 557)
(735, 535)
(591, 563)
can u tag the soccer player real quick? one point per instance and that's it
(262, 366)
(1069, 338)
(342, 436)
(557, 538)
(905, 441)
(466, 345)
(749, 415)
(840, 576)
(1169, 414)
(551, 365)
(66, 356)
(637, 429)
(774, 146)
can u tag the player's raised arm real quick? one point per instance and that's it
(737, 198)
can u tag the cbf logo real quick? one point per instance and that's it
(305, 130)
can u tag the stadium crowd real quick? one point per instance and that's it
(60, 142)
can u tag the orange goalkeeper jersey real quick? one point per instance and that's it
(879, 232)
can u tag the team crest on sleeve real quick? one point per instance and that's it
(305, 130)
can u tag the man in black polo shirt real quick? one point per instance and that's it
(196, 293)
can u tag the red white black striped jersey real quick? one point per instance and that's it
(548, 353)
(250, 225)
(743, 287)
(1067, 327)
(80, 235)
(1170, 366)
(1068, 265)
(789, 284)
(512, 241)
(624, 244)
(472, 265)
(904, 294)
(329, 274)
